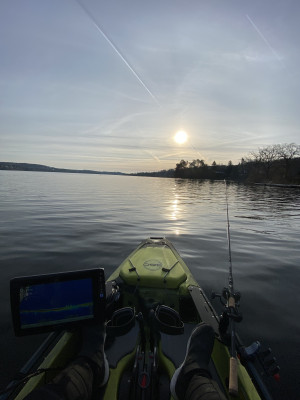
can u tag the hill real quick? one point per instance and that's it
(12, 166)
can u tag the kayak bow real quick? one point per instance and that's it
(153, 304)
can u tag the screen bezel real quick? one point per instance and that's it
(98, 288)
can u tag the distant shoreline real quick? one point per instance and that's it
(12, 166)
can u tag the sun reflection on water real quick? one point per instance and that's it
(174, 214)
(174, 210)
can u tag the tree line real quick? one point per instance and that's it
(279, 163)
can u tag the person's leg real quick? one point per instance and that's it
(192, 380)
(84, 376)
(75, 382)
(203, 388)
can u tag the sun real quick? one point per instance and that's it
(180, 137)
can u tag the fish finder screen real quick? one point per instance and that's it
(56, 302)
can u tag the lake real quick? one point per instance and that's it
(58, 222)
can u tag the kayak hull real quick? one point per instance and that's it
(153, 274)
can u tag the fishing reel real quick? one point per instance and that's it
(230, 311)
(232, 301)
(225, 295)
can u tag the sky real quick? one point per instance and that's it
(105, 85)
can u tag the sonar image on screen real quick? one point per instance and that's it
(56, 302)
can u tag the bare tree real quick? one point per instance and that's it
(265, 157)
(286, 152)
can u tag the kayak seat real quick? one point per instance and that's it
(155, 267)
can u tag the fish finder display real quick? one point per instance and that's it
(56, 302)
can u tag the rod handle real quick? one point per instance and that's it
(233, 377)
(231, 302)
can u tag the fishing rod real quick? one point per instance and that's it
(259, 363)
(232, 313)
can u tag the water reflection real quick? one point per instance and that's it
(174, 210)
(56, 222)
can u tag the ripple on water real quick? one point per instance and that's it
(55, 222)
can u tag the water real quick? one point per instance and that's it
(58, 222)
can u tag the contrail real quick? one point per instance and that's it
(263, 38)
(152, 155)
(118, 52)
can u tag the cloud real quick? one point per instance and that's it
(70, 92)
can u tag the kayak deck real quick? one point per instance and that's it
(153, 274)
(155, 264)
